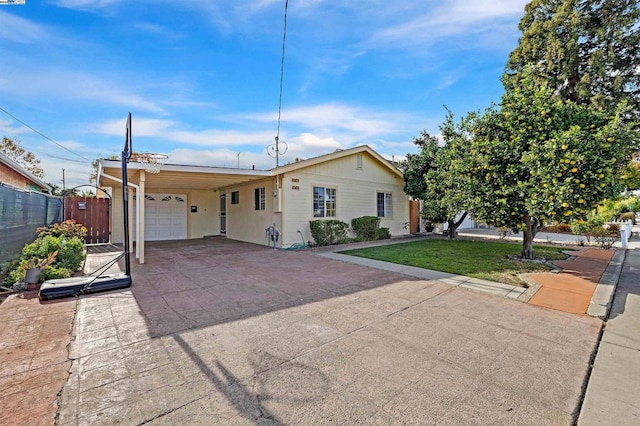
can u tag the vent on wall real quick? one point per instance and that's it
(359, 162)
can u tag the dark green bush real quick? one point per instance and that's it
(51, 273)
(383, 234)
(365, 227)
(327, 232)
(70, 254)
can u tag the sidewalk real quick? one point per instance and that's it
(613, 393)
(33, 350)
(571, 290)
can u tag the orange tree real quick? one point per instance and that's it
(537, 158)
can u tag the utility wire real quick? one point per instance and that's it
(57, 157)
(43, 135)
(284, 39)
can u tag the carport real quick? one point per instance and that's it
(174, 179)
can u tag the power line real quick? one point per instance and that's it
(284, 39)
(64, 158)
(42, 134)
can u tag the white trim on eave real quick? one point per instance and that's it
(334, 156)
(133, 165)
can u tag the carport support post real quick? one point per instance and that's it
(140, 216)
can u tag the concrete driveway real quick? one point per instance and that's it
(221, 332)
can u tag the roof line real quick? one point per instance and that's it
(21, 170)
(335, 155)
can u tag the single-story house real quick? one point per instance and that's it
(186, 201)
(12, 173)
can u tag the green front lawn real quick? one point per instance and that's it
(479, 259)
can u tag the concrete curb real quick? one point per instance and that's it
(603, 295)
(532, 289)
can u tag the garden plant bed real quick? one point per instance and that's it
(488, 260)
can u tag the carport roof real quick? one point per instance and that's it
(178, 176)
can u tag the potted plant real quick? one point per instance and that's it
(34, 267)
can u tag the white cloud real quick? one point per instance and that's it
(334, 118)
(140, 127)
(309, 144)
(169, 131)
(222, 157)
(316, 128)
(65, 84)
(19, 30)
(460, 17)
(10, 129)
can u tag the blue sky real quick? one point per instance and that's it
(201, 78)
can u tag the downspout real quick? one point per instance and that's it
(138, 201)
(278, 190)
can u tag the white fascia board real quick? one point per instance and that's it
(190, 169)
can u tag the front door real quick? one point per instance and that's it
(223, 213)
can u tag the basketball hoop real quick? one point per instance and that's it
(152, 161)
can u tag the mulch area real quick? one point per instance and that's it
(34, 360)
(571, 289)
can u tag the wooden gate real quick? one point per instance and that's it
(414, 216)
(93, 213)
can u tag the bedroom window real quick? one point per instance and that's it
(324, 202)
(385, 204)
(259, 199)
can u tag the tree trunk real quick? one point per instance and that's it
(530, 231)
(454, 224)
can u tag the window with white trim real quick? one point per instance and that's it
(259, 198)
(324, 202)
(385, 204)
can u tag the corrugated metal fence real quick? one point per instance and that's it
(21, 213)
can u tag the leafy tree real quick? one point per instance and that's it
(93, 176)
(586, 51)
(630, 177)
(434, 176)
(55, 189)
(12, 149)
(541, 159)
(416, 168)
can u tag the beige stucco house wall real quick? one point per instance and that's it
(357, 179)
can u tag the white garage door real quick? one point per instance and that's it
(165, 217)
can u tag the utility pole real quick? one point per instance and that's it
(63, 181)
(238, 155)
